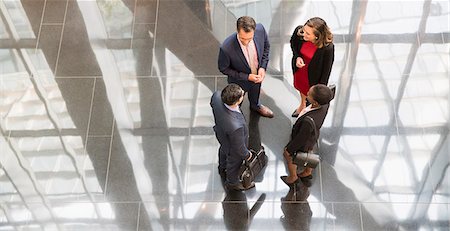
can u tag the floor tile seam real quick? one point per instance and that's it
(214, 179)
(138, 76)
(52, 24)
(168, 77)
(155, 34)
(272, 201)
(99, 136)
(109, 159)
(348, 202)
(332, 212)
(91, 106)
(49, 133)
(93, 202)
(179, 76)
(144, 23)
(133, 24)
(381, 202)
(278, 201)
(87, 201)
(138, 215)
(361, 216)
(321, 182)
(79, 77)
(40, 25)
(61, 38)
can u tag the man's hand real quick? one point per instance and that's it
(259, 77)
(262, 73)
(254, 78)
(299, 62)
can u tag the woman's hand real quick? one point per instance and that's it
(299, 62)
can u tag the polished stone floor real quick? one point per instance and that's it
(106, 124)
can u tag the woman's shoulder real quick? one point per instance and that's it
(329, 46)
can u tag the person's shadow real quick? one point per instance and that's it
(296, 211)
(236, 213)
(254, 136)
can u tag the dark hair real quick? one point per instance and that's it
(321, 31)
(245, 23)
(231, 94)
(321, 93)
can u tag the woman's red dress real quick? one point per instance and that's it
(301, 81)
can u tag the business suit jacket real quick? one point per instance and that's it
(302, 139)
(319, 68)
(232, 133)
(232, 61)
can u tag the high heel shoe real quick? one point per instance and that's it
(295, 113)
(284, 179)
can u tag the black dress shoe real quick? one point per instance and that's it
(284, 179)
(295, 113)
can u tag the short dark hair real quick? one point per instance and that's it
(321, 93)
(245, 23)
(231, 94)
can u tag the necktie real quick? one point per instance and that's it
(251, 54)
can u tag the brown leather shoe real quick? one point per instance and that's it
(265, 111)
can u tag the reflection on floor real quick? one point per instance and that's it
(106, 123)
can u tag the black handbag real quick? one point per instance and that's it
(306, 159)
(250, 169)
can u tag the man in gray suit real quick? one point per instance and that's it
(232, 133)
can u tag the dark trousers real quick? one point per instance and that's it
(232, 163)
(252, 89)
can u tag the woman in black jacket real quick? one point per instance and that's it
(303, 136)
(313, 56)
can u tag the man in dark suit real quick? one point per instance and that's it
(232, 133)
(243, 57)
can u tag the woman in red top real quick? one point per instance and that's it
(313, 56)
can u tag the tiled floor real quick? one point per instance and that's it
(106, 123)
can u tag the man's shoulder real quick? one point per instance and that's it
(260, 32)
(216, 98)
(260, 26)
(230, 40)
